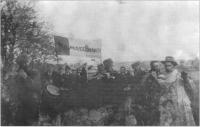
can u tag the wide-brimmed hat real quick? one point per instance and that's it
(170, 59)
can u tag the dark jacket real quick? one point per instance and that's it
(83, 75)
(21, 92)
(68, 80)
(57, 79)
(148, 98)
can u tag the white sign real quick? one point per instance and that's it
(85, 48)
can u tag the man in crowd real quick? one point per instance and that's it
(144, 93)
(123, 76)
(67, 77)
(174, 97)
(47, 75)
(83, 75)
(100, 72)
(22, 94)
(151, 94)
(57, 76)
(110, 73)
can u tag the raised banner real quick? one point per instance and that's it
(78, 47)
(85, 48)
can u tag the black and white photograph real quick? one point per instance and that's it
(100, 62)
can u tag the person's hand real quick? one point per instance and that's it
(161, 77)
(154, 74)
(23, 74)
(112, 77)
(184, 75)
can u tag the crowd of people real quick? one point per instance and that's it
(164, 93)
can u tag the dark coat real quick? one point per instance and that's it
(148, 99)
(83, 75)
(57, 79)
(22, 96)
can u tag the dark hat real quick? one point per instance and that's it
(170, 59)
(154, 61)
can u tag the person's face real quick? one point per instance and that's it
(110, 68)
(136, 69)
(169, 66)
(67, 71)
(156, 66)
(100, 68)
(49, 72)
(122, 70)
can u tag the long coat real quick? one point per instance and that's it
(175, 105)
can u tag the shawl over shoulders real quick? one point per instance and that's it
(179, 113)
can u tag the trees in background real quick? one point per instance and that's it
(23, 33)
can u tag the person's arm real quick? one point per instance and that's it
(188, 83)
(145, 78)
(185, 77)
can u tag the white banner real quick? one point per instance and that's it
(85, 48)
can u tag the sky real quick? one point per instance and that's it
(129, 30)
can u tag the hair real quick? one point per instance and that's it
(123, 67)
(136, 64)
(152, 62)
